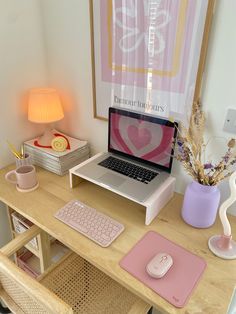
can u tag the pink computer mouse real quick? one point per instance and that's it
(159, 265)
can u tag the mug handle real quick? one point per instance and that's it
(9, 175)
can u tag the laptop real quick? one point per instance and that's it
(139, 157)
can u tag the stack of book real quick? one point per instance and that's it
(58, 162)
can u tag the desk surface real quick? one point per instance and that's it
(212, 294)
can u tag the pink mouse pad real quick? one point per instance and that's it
(178, 283)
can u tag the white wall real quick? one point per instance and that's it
(22, 64)
(219, 90)
(67, 33)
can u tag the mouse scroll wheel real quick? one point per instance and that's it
(164, 258)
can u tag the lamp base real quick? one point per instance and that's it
(222, 246)
(47, 137)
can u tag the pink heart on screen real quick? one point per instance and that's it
(140, 137)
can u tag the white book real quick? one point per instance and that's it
(67, 164)
(34, 153)
(56, 168)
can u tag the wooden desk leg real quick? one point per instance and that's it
(44, 250)
(9, 212)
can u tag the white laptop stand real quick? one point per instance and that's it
(153, 204)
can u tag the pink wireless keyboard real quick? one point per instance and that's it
(96, 226)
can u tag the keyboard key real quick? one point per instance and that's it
(130, 170)
(96, 226)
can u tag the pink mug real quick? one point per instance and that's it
(24, 177)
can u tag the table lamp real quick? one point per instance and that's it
(44, 106)
(223, 245)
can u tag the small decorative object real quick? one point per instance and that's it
(59, 144)
(55, 133)
(26, 160)
(44, 106)
(202, 196)
(21, 158)
(222, 245)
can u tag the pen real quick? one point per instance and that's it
(14, 151)
(22, 151)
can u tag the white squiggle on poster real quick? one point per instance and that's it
(130, 11)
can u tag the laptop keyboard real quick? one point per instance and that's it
(128, 169)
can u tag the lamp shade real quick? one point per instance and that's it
(44, 105)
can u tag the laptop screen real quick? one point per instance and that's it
(142, 137)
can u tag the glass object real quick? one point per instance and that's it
(26, 161)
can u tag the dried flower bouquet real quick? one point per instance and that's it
(191, 150)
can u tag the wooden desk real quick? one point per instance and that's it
(214, 291)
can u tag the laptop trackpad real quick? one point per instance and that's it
(111, 179)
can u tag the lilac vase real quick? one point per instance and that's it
(200, 205)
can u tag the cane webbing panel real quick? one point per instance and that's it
(86, 289)
(79, 284)
(23, 300)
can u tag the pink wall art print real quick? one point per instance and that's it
(146, 54)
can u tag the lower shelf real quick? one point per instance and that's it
(30, 263)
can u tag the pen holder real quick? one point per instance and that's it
(26, 161)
